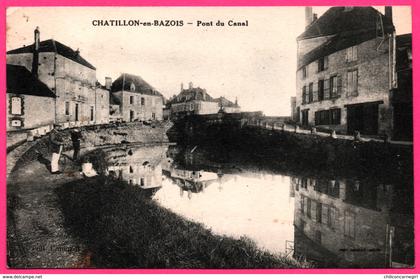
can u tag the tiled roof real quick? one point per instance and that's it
(141, 86)
(21, 81)
(57, 47)
(341, 19)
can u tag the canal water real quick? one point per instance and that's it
(332, 221)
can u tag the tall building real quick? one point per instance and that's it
(66, 73)
(137, 100)
(346, 71)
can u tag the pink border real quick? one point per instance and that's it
(416, 64)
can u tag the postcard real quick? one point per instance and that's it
(209, 138)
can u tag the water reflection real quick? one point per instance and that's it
(341, 222)
(351, 222)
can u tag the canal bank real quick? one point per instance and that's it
(303, 151)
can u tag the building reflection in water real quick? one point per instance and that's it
(351, 223)
(138, 165)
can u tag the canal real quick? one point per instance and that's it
(350, 220)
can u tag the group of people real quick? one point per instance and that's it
(56, 146)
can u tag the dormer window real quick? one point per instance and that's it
(132, 87)
(351, 54)
(322, 63)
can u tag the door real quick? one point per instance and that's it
(131, 116)
(76, 112)
(362, 118)
(403, 122)
(305, 117)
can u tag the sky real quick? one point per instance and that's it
(256, 64)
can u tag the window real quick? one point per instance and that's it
(304, 72)
(131, 100)
(320, 90)
(67, 108)
(349, 224)
(308, 207)
(141, 181)
(333, 86)
(132, 87)
(92, 109)
(328, 117)
(153, 115)
(131, 169)
(142, 101)
(16, 105)
(302, 204)
(351, 54)
(311, 93)
(352, 81)
(304, 95)
(319, 212)
(326, 89)
(322, 64)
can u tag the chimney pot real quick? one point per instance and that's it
(35, 54)
(308, 16)
(108, 83)
(388, 12)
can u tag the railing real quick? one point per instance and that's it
(301, 130)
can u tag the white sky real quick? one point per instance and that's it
(257, 63)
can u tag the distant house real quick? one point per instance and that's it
(66, 73)
(196, 100)
(137, 100)
(30, 103)
(345, 71)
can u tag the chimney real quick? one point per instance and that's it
(308, 16)
(182, 86)
(108, 83)
(388, 13)
(315, 17)
(35, 58)
(190, 85)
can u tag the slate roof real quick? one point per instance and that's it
(196, 93)
(125, 80)
(338, 20)
(21, 81)
(347, 28)
(57, 47)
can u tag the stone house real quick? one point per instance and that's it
(346, 69)
(66, 73)
(137, 100)
(196, 100)
(26, 94)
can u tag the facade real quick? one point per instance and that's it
(102, 104)
(346, 70)
(402, 95)
(196, 100)
(26, 94)
(351, 222)
(137, 100)
(66, 73)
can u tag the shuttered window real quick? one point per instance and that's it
(352, 81)
(311, 93)
(349, 224)
(328, 117)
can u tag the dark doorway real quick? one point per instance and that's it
(362, 118)
(76, 112)
(305, 117)
(131, 115)
(403, 121)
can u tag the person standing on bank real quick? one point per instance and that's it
(56, 146)
(76, 135)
